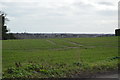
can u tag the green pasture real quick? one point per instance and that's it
(61, 57)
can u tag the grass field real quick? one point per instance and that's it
(59, 57)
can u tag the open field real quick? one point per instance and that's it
(62, 57)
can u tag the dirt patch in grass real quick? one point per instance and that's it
(103, 74)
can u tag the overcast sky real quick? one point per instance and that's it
(78, 16)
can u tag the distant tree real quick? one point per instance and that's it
(5, 35)
(117, 32)
(4, 28)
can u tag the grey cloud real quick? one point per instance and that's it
(83, 5)
(23, 8)
(106, 3)
(107, 13)
(84, 8)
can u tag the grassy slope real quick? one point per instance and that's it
(94, 54)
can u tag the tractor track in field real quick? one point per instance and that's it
(51, 42)
(78, 45)
(64, 47)
(71, 42)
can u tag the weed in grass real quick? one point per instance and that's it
(15, 73)
(31, 69)
(78, 63)
(18, 64)
(11, 70)
(34, 67)
(44, 71)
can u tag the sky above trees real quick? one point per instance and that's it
(78, 16)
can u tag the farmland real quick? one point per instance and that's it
(60, 57)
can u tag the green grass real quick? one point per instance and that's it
(60, 57)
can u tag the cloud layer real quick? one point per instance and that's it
(84, 16)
